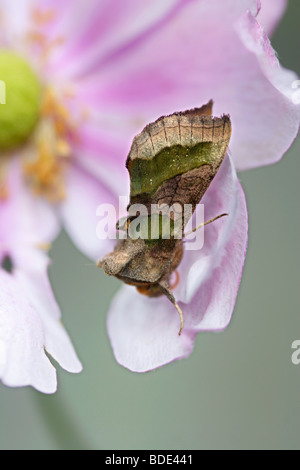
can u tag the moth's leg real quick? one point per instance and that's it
(166, 291)
(204, 223)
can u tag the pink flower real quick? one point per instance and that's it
(95, 72)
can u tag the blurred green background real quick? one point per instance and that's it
(238, 390)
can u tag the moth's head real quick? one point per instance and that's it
(135, 262)
(115, 262)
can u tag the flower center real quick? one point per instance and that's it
(20, 101)
(33, 117)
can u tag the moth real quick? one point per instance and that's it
(171, 162)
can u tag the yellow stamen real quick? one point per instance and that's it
(3, 192)
(48, 103)
(35, 37)
(63, 148)
(42, 17)
(44, 246)
(45, 175)
(45, 170)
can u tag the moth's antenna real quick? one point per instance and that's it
(165, 290)
(204, 223)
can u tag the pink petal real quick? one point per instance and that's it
(26, 220)
(211, 306)
(79, 211)
(31, 273)
(95, 29)
(271, 13)
(22, 357)
(220, 53)
(15, 19)
(268, 138)
(99, 153)
(144, 331)
(224, 196)
(126, 26)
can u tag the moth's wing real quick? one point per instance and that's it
(174, 159)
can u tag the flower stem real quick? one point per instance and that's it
(61, 422)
